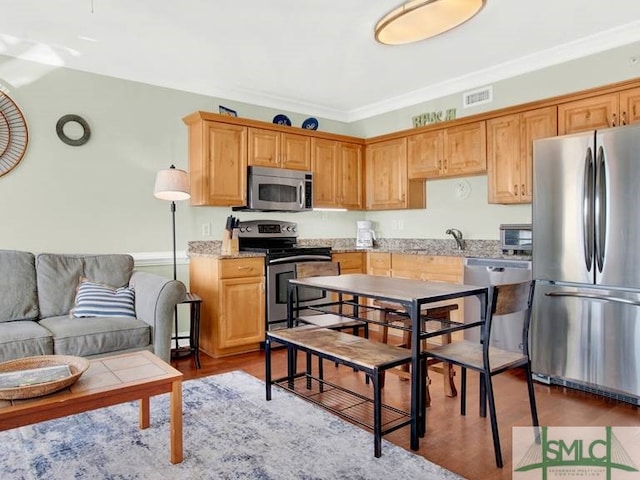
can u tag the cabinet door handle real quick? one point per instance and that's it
(614, 119)
(515, 189)
(522, 190)
(624, 118)
(445, 164)
(243, 267)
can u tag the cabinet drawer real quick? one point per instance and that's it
(350, 262)
(241, 267)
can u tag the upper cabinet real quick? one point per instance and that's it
(268, 148)
(217, 162)
(337, 174)
(600, 111)
(387, 186)
(510, 153)
(450, 152)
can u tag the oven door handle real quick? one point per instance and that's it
(298, 258)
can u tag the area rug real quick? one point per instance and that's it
(230, 432)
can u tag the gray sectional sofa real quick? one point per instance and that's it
(38, 301)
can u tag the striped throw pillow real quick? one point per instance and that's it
(96, 300)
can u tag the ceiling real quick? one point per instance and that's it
(311, 56)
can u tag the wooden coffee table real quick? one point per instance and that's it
(108, 381)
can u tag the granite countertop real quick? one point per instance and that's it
(443, 247)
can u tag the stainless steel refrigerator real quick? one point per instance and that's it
(585, 331)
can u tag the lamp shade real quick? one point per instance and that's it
(420, 19)
(172, 184)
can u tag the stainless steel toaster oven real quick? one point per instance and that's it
(516, 238)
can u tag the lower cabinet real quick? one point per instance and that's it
(379, 263)
(431, 268)
(233, 307)
(350, 262)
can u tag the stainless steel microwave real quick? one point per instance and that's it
(278, 190)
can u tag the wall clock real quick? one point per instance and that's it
(14, 135)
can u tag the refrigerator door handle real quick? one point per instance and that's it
(593, 296)
(587, 209)
(600, 205)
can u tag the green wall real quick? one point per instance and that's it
(98, 197)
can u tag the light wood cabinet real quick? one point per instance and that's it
(599, 111)
(387, 185)
(217, 163)
(630, 106)
(379, 263)
(450, 152)
(350, 262)
(425, 154)
(233, 307)
(269, 148)
(337, 174)
(431, 268)
(510, 153)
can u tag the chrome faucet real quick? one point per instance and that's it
(457, 235)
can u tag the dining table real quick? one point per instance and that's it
(411, 294)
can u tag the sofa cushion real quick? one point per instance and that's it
(91, 336)
(24, 339)
(58, 277)
(98, 300)
(18, 290)
(115, 269)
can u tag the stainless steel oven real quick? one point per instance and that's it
(277, 239)
(279, 271)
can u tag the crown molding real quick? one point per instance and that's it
(600, 42)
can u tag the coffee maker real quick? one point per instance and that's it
(364, 234)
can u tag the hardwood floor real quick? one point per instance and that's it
(460, 444)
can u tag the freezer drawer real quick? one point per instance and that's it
(588, 336)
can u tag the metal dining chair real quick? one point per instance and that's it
(335, 320)
(490, 361)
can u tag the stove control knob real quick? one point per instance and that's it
(288, 229)
(293, 229)
(248, 229)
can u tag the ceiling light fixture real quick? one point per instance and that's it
(417, 20)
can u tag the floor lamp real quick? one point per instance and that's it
(172, 184)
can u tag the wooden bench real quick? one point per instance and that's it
(368, 356)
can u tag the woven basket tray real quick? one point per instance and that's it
(77, 365)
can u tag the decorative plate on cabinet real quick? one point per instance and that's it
(14, 135)
(282, 120)
(310, 123)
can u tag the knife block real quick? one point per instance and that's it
(230, 244)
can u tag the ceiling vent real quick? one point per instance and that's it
(477, 97)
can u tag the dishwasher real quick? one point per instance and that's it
(506, 332)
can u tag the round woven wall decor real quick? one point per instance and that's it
(14, 135)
